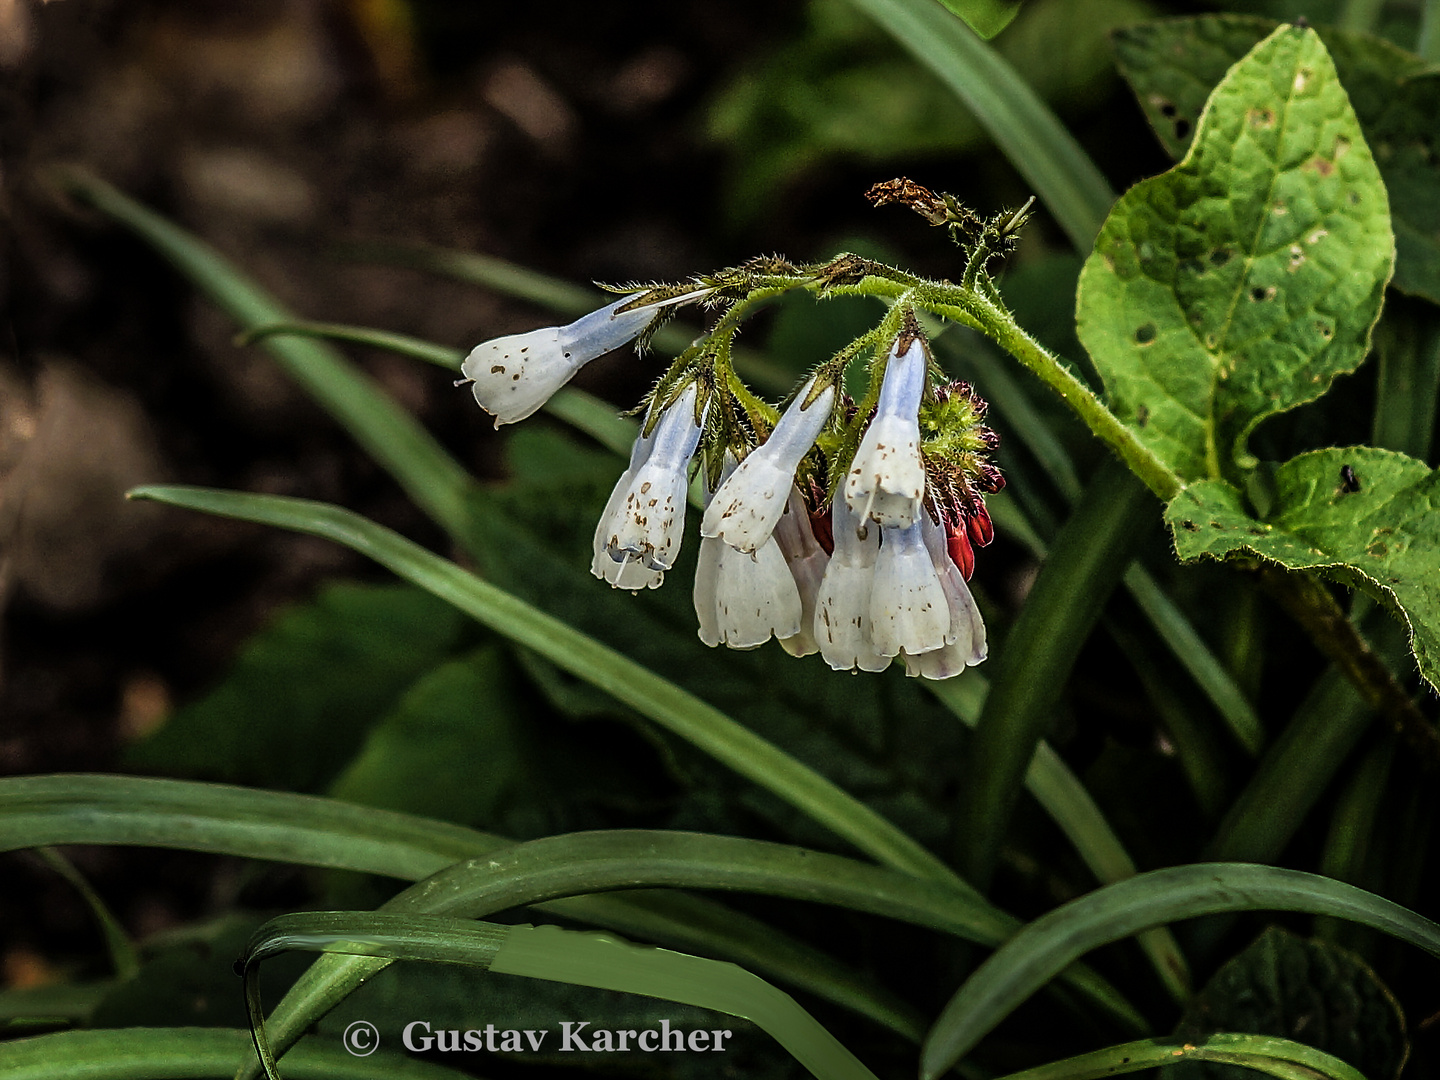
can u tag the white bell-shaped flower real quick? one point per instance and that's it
(744, 598)
(807, 561)
(908, 606)
(513, 376)
(842, 607)
(967, 628)
(645, 517)
(887, 478)
(628, 572)
(748, 505)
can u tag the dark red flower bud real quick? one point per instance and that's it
(980, 527)
(961, 553)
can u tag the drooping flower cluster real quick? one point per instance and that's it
(833, 527)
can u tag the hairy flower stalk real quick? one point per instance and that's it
(645, 517)
(513, 376)
(887, 478)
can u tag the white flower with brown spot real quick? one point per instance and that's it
(748, 505)
(645, 517)
(513, 376)
(887, 478)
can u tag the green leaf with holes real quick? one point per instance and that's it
(1366, 516)
(1173, 64)
(1241, 282)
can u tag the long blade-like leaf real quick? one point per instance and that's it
(1263, 1053)
(1053, 941)
(189, 1054)
(284, 827)
(547, 952)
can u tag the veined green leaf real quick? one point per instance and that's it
(1173, 65)
(1262, 1053)
(1240, 283)
(1285, 984)
(1045, 946)
(548, 952)
(1362, 513)
(189, 1054)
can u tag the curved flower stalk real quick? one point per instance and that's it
(644, 519)
(887, 477)
(842, 607)
(513, 376)
(747, 506)
(807, 561)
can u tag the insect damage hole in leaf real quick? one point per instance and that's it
(1206, 252)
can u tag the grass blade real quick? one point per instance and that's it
(304, 829)
(593, 862)
(1261, 1053)
(188, 1054)
(1045, 946)
(547, 952)
(390, 435)
(1022, 125)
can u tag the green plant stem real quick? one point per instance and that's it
(973, 308)
(1085, 563)
(1307, 601)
